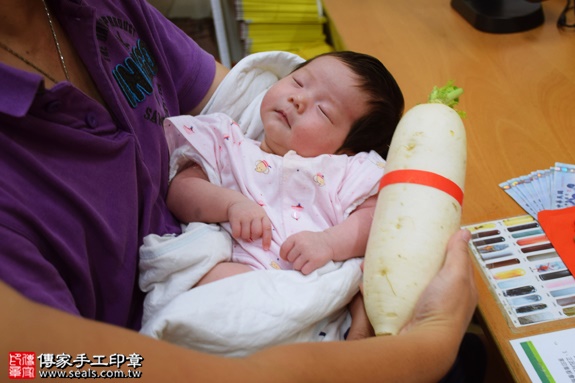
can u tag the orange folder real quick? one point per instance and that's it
(559, 225)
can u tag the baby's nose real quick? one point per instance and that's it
(298, 102)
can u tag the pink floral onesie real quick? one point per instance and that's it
(297, 193)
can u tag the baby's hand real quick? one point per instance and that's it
(307, 250)
(249, 221)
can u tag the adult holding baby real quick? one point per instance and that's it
(84, 86)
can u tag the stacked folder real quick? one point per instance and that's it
(296, 26)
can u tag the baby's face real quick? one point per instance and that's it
(311, 110)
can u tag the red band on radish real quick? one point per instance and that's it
(422, 177)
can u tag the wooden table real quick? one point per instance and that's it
(519, 99)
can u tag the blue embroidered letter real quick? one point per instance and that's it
(136, 74)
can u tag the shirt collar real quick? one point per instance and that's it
(18, 89)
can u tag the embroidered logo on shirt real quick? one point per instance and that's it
(135, 76)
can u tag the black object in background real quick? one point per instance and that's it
(500, 16)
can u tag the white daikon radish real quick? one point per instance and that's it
(417, 211)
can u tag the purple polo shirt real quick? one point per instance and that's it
(81, 184)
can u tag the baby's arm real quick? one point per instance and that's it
(309, 250)
(193, 198)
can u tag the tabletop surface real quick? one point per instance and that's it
(519, 91)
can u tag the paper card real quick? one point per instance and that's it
(529, 280)
(548, 357)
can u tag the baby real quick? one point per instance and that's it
(305, 194)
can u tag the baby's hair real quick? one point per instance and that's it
(386, 104)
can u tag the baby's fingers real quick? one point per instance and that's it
(286, 248)
(261, 228)
(241, 228)
(266, 233)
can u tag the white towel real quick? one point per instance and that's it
(242, 314)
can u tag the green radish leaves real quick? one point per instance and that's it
(447, 95)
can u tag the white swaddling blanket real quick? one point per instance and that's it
(247, 312)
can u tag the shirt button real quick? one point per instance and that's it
(52, 106)
(91, 120)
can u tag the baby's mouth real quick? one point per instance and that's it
(284, 117)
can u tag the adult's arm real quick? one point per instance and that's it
(423, 352)
(221, 72)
